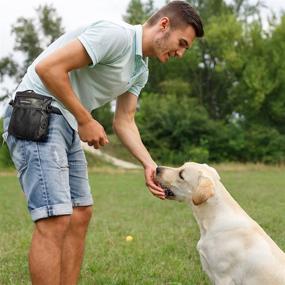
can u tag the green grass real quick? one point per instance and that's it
(116, 149)
(97, 162)
(163, 251)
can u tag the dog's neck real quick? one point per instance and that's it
(215, 214)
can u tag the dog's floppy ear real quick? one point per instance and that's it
(204, 191)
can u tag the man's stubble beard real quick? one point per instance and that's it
(160, 43)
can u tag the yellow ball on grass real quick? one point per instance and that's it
(129, 238)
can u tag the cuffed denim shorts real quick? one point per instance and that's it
(53, 174)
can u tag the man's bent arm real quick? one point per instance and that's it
(126, 129)
(53, 71)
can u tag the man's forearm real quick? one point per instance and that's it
(129, 135)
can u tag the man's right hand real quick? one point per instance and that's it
(93, 133)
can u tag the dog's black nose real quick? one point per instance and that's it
(158, 170)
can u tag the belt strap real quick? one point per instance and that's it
(55, 110)
(51, 109)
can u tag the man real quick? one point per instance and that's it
(82, 70)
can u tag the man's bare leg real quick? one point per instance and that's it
(73, 246)
(46, 250)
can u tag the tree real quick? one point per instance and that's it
(138, 12)
(32, 35)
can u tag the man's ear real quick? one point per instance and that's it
(164, 23)
(204, 191)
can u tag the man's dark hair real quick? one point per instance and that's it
(180, 14)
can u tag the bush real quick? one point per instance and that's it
(226, 142)
(5, 159)
(199, 154)
(104, 116)
(176, 129)
(265, 144)
(173, 127)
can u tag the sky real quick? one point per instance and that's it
(74, 13)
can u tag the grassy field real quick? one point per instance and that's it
(163, 251)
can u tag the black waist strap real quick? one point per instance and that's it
(55, 110)
(51, 109)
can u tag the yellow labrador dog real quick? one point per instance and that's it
(233, 248)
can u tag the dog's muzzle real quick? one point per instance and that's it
(168, 193)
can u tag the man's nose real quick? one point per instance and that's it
(180, 52)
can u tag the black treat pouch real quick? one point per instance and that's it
(30, 116)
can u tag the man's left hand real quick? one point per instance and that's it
(153, 187)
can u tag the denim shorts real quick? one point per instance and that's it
(53, 174)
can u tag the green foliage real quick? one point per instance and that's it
(104, 116)
(236, 76)
(265, 145)
(7, 68)
(32, 35)
(209, 8)
(50, 22)
(225, 142)
(172, 125)
(275, 101)
(199, 154)
(5, 159)
(177, 128)
(27, 40)
(138, 12)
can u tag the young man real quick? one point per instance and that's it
(81, 71)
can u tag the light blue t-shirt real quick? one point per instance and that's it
(117, 65)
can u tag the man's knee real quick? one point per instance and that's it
(79, 221)
(81, 216)
(53, 228)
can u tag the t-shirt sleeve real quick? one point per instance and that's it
(104, 42)
(139, 83)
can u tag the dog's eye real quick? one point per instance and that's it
(180, 174)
